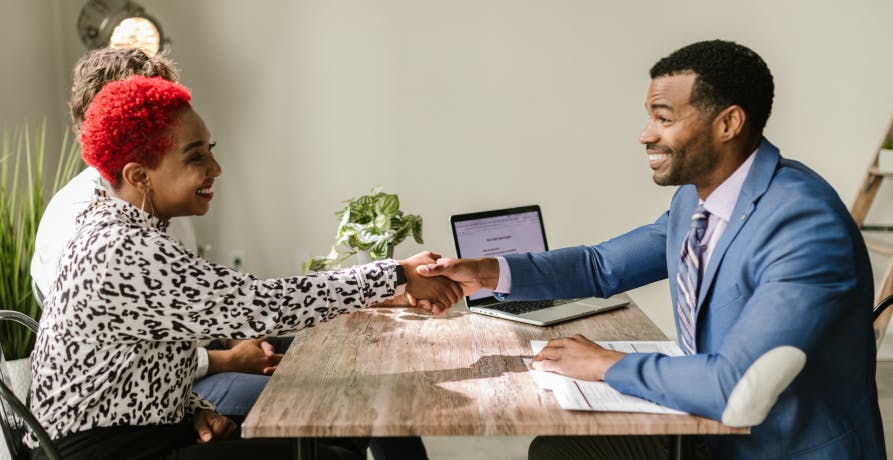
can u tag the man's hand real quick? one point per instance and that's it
(433, 294)
(212, 427)
(252, 356)
(576, 357)
(471, 274)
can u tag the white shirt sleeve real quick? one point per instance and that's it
(201, 355)
(504, 285)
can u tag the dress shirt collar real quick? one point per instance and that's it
(722, 201)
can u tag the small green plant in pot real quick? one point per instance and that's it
(22, 201)
(372, 223)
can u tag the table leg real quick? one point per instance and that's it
(682, 447)
(305, 448)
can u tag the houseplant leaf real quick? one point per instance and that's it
(22, 202)
(387, 205)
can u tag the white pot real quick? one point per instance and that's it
(19, 372)
(885, 160)
(20, 377)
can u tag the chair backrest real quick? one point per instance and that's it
(14, 415)
(879, 324)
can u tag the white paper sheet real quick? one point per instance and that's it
(573, 394)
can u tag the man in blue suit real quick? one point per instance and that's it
(769, 277)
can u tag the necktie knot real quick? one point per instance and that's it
(699, 221)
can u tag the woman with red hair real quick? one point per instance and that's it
(113, 364)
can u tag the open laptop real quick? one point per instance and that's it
(512, 231)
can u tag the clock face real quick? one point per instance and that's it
(136, 32)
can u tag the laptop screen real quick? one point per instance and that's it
(496, 233)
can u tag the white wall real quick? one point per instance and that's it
(33, 74)
(471, 105)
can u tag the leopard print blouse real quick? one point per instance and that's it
(116, 344)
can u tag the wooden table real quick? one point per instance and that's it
(400, 372)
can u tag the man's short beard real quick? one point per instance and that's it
(694, 167)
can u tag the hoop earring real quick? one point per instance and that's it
(143, 209)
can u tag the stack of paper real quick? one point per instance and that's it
(573, 394)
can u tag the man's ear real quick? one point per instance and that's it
(729, 124)
(136, 175)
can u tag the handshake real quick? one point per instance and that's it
(435, 283)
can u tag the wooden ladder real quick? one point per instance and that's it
(863, 202)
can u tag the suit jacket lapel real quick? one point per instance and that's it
(756, 183)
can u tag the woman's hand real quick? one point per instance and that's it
(404, 300)
(252, 356)
(211, 426)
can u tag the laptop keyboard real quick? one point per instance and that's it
(519, 307)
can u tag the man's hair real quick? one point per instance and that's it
(726, 73)
(98, 67)
(128, 121)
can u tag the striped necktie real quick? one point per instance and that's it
(688, 280)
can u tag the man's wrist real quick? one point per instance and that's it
(611, 365)
(497, 268)
(488, 272)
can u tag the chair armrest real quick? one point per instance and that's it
(20, 318)
(19, 409)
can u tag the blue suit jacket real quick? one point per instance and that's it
(791, 269)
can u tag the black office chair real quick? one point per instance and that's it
(882, 306)
(879, 309)
(14, 415)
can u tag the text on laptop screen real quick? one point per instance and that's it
(497, 236)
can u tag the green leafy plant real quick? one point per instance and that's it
(22, 193)
(372, 223)
(887, 145)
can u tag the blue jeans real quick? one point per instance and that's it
(233, 393)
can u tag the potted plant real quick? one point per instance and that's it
(22, 201)
(885, 156)
(371, 224)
